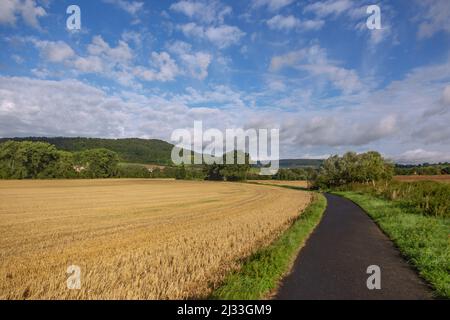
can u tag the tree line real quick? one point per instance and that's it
(40, 160)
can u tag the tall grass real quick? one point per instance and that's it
(422, 239)
(426, 197)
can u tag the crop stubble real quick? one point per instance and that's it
(133, 239)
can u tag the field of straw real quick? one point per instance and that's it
(300, 183)
(133, 239)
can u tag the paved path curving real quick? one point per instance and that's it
(334, 261)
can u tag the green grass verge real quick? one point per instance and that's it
(423, 240)
(260, 273)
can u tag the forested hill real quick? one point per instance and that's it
(133, 150)
(129, 150)
(300, 163)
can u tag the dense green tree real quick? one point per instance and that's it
(98, 163)
(233, 171)
(63, 168)
(32, 160)
(352, 167)
(180, 173)
(133, 171)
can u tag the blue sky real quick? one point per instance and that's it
(310, 68)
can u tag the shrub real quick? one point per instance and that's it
(353, 168)
(427, 197)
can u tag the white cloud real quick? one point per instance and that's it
(166, 68)
(73, 108)
(54, 51)
(312, 24)
(276, 85)
(132, 37)
(446, 96)
(193, 30)
(418, 156)
(90, 64)
(222, 36)
(117, 63)
(280, 22)
(28, 10)
(219, 95)
(197, 63)
(338, 129)
(132, 7)
(329, 8)
(389, 120)
(271, 5)
(440, 107)
(18, 59)
(435, 17)
(314, 61)
(211, 11)
(120, 54)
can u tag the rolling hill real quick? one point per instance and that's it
(129, 150)
(134, 150)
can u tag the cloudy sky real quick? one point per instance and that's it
(310, 68)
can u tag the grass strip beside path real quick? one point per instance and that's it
(262, 271)
(423, 240)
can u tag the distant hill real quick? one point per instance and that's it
(300, 163)
(129, 150)
(133, 150)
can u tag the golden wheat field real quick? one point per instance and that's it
(299, 183)
(133, 239)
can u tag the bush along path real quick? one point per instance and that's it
(349, 257)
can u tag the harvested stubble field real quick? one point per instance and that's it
(133, 239)
(299, 183)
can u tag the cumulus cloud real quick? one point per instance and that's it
(221, 36)
(388, 119)
(280, 22)
(73, 108)
(329, 7)
(58, 51)
(271, 5)
(120, 54)
(435, 17)
(166, 68)
(209, 25)
(196, 63)
(339, 129)
(28, 10)
(442, 106)
(132, 7)
(314, 60)
(117, 63)
(418, 156)
(204, 11)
